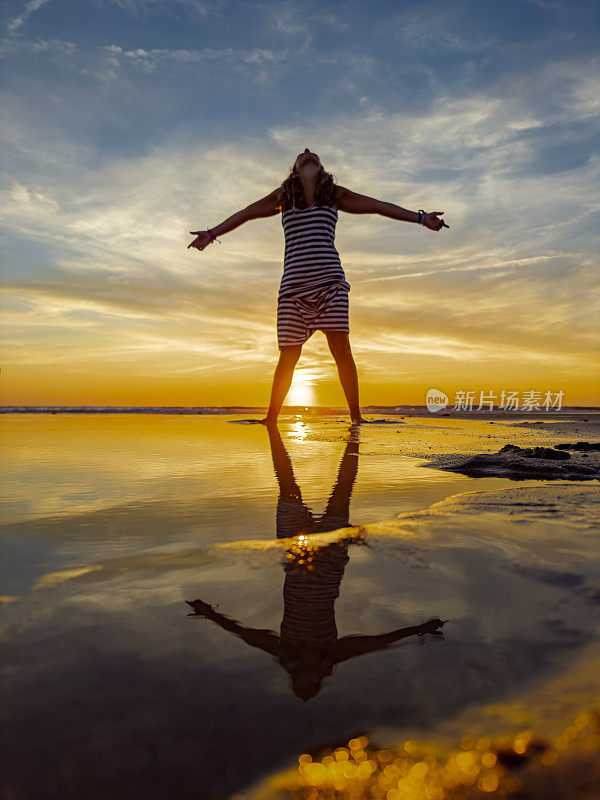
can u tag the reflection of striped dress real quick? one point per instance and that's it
(313, 294)
(313, 574)
(309, 594)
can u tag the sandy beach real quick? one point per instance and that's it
(245, 612)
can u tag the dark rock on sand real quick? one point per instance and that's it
(578, 446)
(519, 463)
(535, 452)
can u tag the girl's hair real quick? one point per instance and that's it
(324, 191)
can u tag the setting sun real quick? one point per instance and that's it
(302, 392)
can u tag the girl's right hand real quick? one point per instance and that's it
(201, 240)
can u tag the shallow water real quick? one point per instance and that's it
(112, 523)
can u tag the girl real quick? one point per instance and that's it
(313, 294)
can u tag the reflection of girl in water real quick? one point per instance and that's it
(312, 574)
(308, 631)
(308, 646)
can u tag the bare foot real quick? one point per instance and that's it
(267, 421)
(359, 421)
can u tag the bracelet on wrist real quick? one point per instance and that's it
(210, 232)
(422, 214)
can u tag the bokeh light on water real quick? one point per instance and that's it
(516, 766)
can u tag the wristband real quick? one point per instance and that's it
(212, 236)
(422, 215)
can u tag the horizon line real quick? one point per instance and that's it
(25, 407)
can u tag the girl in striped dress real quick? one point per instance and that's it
(313, 294)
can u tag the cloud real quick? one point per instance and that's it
(432, 26)
(18, 21)
(97, 226)
(125, 229)
(195, 8)
(548, 5)
(296, 20)
(160, 58)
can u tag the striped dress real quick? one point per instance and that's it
(309, 594)
(313, 294)
(313, 573)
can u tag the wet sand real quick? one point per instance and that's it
(112, 527)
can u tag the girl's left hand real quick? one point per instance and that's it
(201, 240)
(432, 222)
(200, 607)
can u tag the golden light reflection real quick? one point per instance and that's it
(301, 550)
(302, 390)
(299, 430)
(521, 764)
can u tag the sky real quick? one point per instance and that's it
(126, 124)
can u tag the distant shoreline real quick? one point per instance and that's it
(287, 410)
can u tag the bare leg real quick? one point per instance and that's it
(282, 380)
(339, 344)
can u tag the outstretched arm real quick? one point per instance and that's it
(351, 646)
(263, 639)
(265, 207)
(354, 203)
